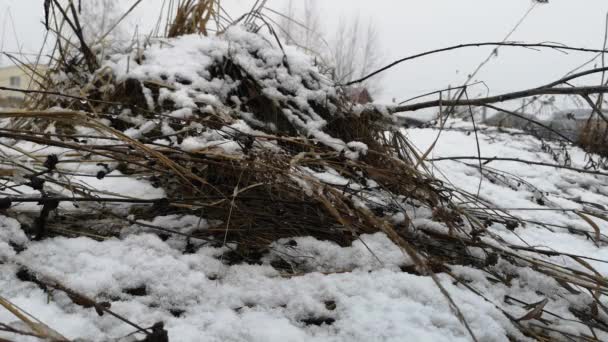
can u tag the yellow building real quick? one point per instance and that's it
(18, 77)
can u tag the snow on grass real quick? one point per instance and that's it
(186, 67)
(552, 188)
(322, 292)
(216, 302)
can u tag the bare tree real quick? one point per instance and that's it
(98, 17)
(355, 52)
(288, 25)
(351, 51)
(302, 27)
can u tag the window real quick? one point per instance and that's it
(15, 81)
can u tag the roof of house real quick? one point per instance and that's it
(577, 114)
(359, 94)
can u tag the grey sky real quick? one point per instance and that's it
(412, 26)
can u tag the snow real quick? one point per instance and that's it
(183, 66)
(367, 253)
(122, 186)
(246, 302)
(357, 293)
(10, 233)
(558, 188)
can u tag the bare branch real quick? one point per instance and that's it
(517, 160)
(523, 117)
(513, 44)
(502, 98)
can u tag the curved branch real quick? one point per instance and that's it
(577, 75)
(501, 98)
(523, 117)
(513, 44)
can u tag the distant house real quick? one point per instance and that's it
(407, 121)
(567, 122)
(16, 77)
(506, 120)
(359, 95)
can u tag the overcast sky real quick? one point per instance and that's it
(411, 26)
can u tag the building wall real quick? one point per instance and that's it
(14, 77)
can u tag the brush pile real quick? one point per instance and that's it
(249, 149)
(244, 131)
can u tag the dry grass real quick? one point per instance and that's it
(593, 137)
(192, 16)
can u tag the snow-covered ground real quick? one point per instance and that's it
(337, 293)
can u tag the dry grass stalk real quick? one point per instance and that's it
(40, 329)
(192, 16)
